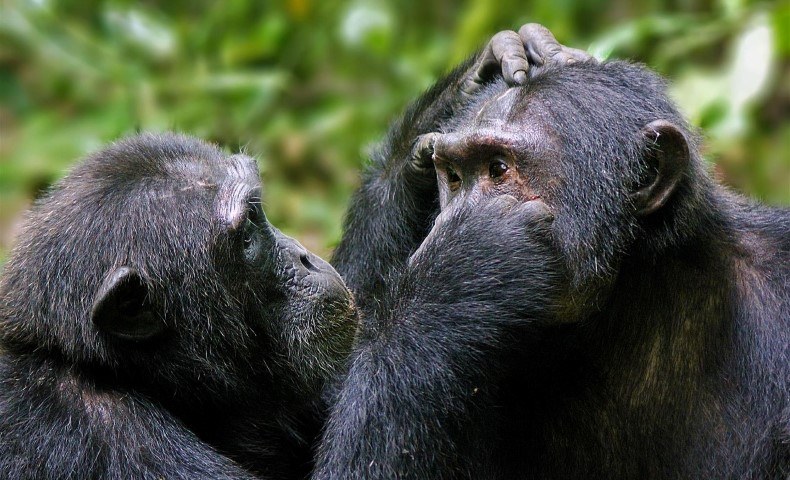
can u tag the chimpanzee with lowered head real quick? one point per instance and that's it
(153, 324)
(616, 315)
(394, 209)
(150, 311)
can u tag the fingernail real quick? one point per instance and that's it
(520, 77)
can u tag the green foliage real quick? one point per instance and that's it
(307, 86)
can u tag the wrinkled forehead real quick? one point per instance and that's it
(214, 170)
(495, 111)
(234, 180)
(509, 120)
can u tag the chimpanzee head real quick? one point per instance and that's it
(599, 144)
(154, 263)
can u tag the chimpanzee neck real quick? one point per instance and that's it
(675, 314)
(673, 294)
(667, 327)
(660, 348)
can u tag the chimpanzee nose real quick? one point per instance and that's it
(304, 259)
(301, 258)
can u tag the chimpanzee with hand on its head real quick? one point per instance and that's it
(394, 209)
(153, 324)
(589, 303)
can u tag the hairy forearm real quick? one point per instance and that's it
(430, 356)
(399, 414)
(392, 211)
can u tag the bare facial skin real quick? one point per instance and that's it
(491, 157)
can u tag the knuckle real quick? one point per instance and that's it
(553, 49)
(503, 36)
(515, 59)
(533, 30)
(504, 42)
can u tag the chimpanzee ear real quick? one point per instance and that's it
(666, 159)
(123, 309)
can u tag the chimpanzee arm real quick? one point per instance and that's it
(392, 211)
(425, 365)
(62, 427)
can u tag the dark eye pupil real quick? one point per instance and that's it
(452, 177)
(255, 213)
(255, 220)
(497, 169)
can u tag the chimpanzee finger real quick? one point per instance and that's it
(485, 66)
(541, 46)
(422, 151)
(509, 53)
(570, 55)
(514, 210)
(576, 55)
(501, 204)
(504, 53)
(539, 42)
(529, 211)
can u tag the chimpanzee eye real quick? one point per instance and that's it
(453, 178)
(254, 222)
(255, 212)
(497, 168)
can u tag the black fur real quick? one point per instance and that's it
(607, 344)
(214, 371)
(392, 212)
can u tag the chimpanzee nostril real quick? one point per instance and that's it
(307, 263)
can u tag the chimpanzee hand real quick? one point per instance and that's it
(492, 221)
(513, 53)
(421, 158)
(499, 241)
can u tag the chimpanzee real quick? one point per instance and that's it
(391, 213)
(153, 324)
(152, 318)
(630, 320)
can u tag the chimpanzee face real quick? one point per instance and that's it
(297, 298)
(493, 161)
(193, 289)
(553, 141)
(574, 139)
(493, 154)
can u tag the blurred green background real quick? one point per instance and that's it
(309, 85)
